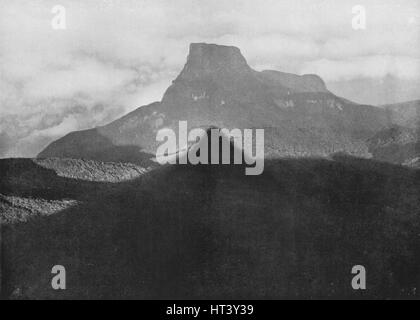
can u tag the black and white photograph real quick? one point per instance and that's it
(209, 150)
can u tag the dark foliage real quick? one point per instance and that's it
(212, 232)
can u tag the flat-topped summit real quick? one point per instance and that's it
(306, 82)
(209, 59)
(226, 64)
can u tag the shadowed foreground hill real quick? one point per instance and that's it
(212, 232)
(30, 188)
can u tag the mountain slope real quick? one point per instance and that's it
(396, 144)
(406, 114)
(218, 88)
(400, 142)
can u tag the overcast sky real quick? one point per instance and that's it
(115, 56)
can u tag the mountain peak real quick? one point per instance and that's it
(211, 48)
(209, 59)
(297, 83)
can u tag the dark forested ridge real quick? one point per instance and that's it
(210, 231)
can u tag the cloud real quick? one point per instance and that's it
(117, 55)
(401, 67)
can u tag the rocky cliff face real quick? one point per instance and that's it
(218, 88)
